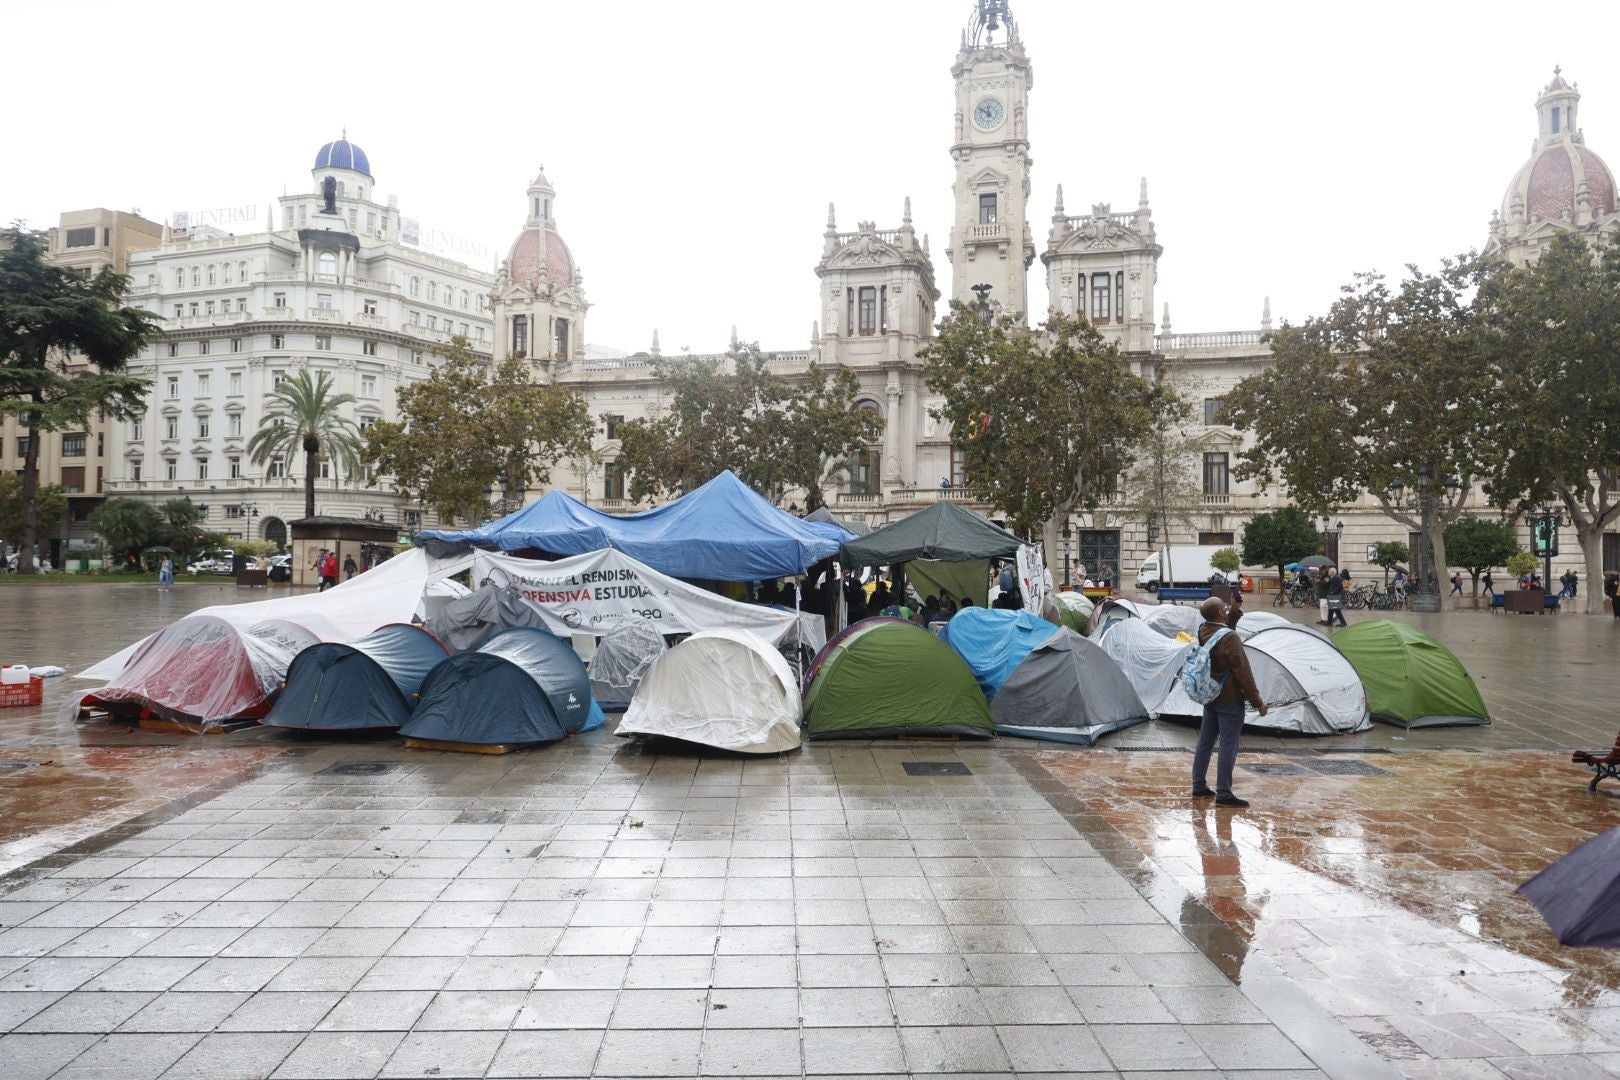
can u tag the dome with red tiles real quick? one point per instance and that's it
(524, 261)
(1550, 182)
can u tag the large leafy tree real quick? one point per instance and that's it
(304, 415)
(50, 503)
(1391, 383)
(1279, 538)
(1390, 554)
(1557, 400)
(1164, 481)
(65, 339)
(1048, 419)
(777, 434)
(463, 428)
(1476, 545)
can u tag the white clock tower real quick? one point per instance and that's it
(990, 241)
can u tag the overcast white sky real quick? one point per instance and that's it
(695, 146)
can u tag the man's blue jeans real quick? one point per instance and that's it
(1223, 721)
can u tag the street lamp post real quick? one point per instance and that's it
(1544, 526)
(1066, 581)
(506, 503)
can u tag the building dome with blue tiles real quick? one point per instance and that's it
(343, 154)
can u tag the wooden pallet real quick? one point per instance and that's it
(462, 747)
(154, 723)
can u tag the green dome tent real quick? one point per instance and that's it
(883, 677)
(1411, 679)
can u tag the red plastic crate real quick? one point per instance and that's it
(31, 692)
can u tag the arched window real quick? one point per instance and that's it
(196, 276)
(340, 189)
(433, 291)
(179, 277)
(241, 269)
(416, 286)
(465, 296)
(326, 263)
(210, 273)
(359, 191)
(480, 303)
(226, 269)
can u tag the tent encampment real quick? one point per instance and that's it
(465, 624)
(1411, 679)
(1309, 687)
(722, 531)
(202, 671)
(886, 677)
(1152, 663)
(1171, 619)
(1074, 610)
(369, 683)
(1252, 622)
(1043, 681)
(1114, 609)
(522, 686)
(622, 661)
(720, 688)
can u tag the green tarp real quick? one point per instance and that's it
(943, 531)
(962, 580)
(884, 678)
(1411, 679)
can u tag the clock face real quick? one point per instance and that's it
(988, 114)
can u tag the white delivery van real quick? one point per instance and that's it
(1189, 566)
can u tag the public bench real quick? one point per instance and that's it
(1605, 766)
(1170, 595)
(1526, 602)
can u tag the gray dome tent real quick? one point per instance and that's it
(369, 683)
(622, 661)
(465, 624)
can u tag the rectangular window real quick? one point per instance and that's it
(202, 427)
(433, 322)
(233, 511)
(326, 469)
(22, 446)
(849, 311)
(612, 481)
(277, 341)
(137, 429)
(958, 467)
(611, 423)
(1215, 477)
(1101, 287)
(171, 469)
(235, 466)
(1119, 296)
(559, 347)
(365, 422)
(278, 300)
(135, 471)
(191, 308)
(323, 301)
(77, 238)
(465, 330)
(101, 444)
(520, 335)
(236, 344)
(241, 303)
(276, 378)
(173, 386)
(179, 278)
(371, 221)
(73, 444)
(1217, 539)
(276, 470)
(234, 386)
(171, 427)
(413, 518)
(1214, 411)
(202, 384)
(987, 209)
(323, 343)
(174, 349)
(202, 468)
(179, 311)
(478, 333)
(73, 478)
(369, 348)
(369, 307)
(368, 386)
(233, 424)
(868, 310)
(202, 346)
(227, 275)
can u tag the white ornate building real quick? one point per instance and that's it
(336, 289)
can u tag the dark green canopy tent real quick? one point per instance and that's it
(944, 531)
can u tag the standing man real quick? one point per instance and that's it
(1335, 599)
(329, 571)
(1489, 583)
(1223, 717)
(349, 568)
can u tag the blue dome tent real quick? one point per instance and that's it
(369, 683)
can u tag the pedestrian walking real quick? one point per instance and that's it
(1574, 584)
(329, 571)
(1611, 586)
(166, 573)
(1489, 583)
(1335, 599)
(1223, 717)
(349, 568)
(1456, 583)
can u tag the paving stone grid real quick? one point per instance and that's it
(590, 910)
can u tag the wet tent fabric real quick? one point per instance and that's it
(943, 531)
(465, 624)
(1171, 619)
(1579, 895)
(1152, 663)
(556, 668)
(884, 677)
(1411, 679)
(204, 669)
(522, 686)
(722, 688)
(722, 531)
(1114, 609)
(822, 514)
(622, 661)
(1074, 610)
(1043, 681)
(1253, 622)
(369, 683)
(1309, 687)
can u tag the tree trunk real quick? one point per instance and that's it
(30, 493)
(312, 462)
(1589, 522)
(1437, 541)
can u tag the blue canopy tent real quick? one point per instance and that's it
(723, 531)
(369, 683)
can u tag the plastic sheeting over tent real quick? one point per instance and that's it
(522, 686)
(944, 531)
(1114, 609)
(384, 594)
(1171, 619)
(720, 688)
(465, 624)
(203, 670)
(369, 683)
(1044, 681)
(723, 531)
(885, 677)
(622, 661)
(1152, 663)
(1411, 679)
(1074, 609)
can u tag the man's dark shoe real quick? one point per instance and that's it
(1202, 792)
(1233, 801)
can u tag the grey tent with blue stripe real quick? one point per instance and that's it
(365, 684)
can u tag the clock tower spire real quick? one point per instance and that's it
(990, 240)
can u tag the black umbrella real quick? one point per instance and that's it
(1579, 895)
(1316, 561)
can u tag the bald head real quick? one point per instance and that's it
(1213, 609)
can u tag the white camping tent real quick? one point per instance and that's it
(721, 688)
(1112, 610)
(1253, 622)
(1308, 685)
(383, 594)
(1171, 619)
(1152, 662)
(599, 591)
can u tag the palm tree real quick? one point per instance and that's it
(303, 415)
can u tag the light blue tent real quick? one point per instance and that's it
(1043, 681)
(723, 531)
